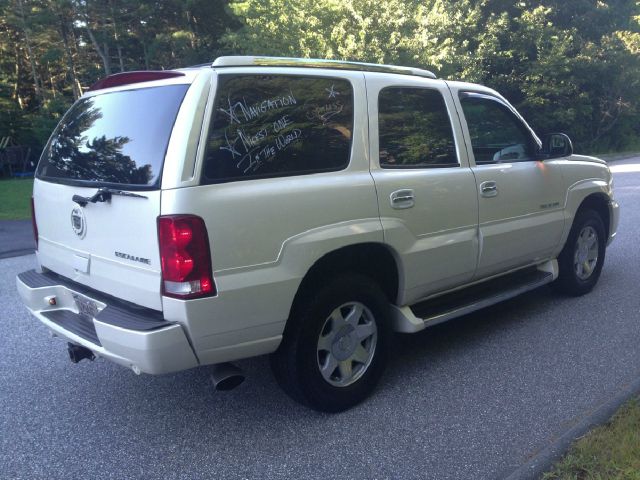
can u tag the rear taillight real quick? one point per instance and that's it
(185, 257)
(33, 222)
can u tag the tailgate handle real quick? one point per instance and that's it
(103, 195)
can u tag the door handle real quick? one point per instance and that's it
(489, 189)
(401, 199)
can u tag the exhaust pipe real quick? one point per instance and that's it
(77, 353)
(226, 376)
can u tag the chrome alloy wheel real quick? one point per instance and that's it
(347, 344)
(585, 257)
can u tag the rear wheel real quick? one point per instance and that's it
(582, 257)
(335, 348)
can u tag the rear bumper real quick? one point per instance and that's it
(136, 338)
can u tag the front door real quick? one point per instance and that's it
(520, 198)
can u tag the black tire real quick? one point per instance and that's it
(569, 281)
(296, 363)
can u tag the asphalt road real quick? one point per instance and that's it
(474, 398)
(16, 238)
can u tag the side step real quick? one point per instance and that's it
(461, 302)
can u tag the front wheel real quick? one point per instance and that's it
(335, 348)
(582, 257)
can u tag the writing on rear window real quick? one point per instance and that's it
(271, 125)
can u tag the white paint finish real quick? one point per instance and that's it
(81, 263)
(516, 229)
(266, 234)
(254, 301)
(157, 351)
(179, 163)
(405, 321)
(239, 351)
(436, 239)
(614, 212)
(585, 176)
(523, 220)
(249, 221)
(124, 224)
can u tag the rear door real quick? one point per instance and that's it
(116, 140)
(426, 191)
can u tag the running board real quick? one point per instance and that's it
(410, 319)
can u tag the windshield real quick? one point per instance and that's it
(117, 138)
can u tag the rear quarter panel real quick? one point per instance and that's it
(265, 234)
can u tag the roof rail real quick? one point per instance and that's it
(255, 61)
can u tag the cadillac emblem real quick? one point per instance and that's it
(78, 222)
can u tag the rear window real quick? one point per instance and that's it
(117, 138)
(276, 125)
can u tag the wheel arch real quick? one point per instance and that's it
(598, 202)
(375, 260)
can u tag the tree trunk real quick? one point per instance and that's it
(31, 57)
(116, 36)
(145, 52)
(75, 54)
(16, 87)
(51, 81)
(71, 67)
(192, 29)
(104, 55)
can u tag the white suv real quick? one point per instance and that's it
(301, 208)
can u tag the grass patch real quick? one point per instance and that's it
(609, 452)
(15, 195)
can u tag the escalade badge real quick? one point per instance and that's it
(78, 222)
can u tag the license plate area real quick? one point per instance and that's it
(87, 308)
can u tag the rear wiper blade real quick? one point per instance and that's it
(103, 195)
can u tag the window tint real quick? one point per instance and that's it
(414, 129)
(113, 138)
(497, 135)
(275, 125)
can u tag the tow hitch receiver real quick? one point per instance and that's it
(77, 353)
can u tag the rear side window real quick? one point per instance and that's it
(276, 125)
(118, 138)
(414, 129)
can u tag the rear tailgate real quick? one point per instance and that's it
(115, 140)
(115, 248)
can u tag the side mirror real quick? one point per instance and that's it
(556, 145)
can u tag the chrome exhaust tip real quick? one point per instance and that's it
(226, 376)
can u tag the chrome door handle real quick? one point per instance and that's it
(401, 199)
(489, 189)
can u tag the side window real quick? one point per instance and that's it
(277, 125)
(497, 135)
(414, 129)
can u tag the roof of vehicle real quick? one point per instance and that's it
(145, 76)
(259, 61)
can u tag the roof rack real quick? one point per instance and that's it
(254, 61)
